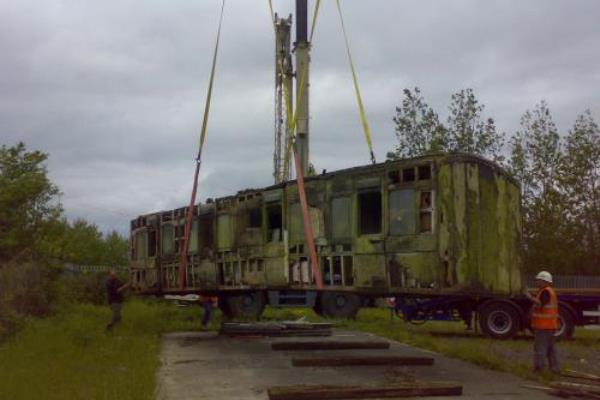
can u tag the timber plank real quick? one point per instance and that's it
(577, 389)
(330, 345)
(412, 389)
(342, 361)
(285, 328)
(581, 375)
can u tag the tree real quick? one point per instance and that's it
(116, 249)
(28, 201)
(535, 161)
(468, 132)
(580, 182)
(418, 128)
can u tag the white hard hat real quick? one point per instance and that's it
(544, 276)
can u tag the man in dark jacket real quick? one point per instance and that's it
(114, 291)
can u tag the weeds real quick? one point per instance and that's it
(71, 356)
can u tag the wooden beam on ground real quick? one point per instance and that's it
(285, 328)
(577, 389)
(343, 361)
(581, 375)
(330, 345)
(412, 389)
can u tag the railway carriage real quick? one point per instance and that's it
(423, 227)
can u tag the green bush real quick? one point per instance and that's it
(84, 287)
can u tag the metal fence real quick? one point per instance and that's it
(569, 281)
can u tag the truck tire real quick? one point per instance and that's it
(566, 324)
(499, 320)
(248, 305)
(339, 305)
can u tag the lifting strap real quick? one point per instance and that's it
(183, 264)
(308, 232)
(361, 107)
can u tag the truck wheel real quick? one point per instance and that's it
(245, 306)
(566, 324)
(339, 305)
(499, 320)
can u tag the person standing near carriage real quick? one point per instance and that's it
(544, 322)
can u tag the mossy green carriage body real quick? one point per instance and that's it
(446, 223)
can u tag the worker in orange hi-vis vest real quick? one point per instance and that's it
(544, 322)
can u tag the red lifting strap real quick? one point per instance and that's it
(308, 232)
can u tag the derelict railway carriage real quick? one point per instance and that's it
(427, 226)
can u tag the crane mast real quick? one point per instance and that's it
(283, 108)
(284, 93)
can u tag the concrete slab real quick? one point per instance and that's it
(201, 365)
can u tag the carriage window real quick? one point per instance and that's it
(341, 217)
(402, 212)
(369, 209)
(394, 176)
(255, 218)
(274, 222)
(424, 172)
(167, 239)
(206, 233)
(408, 174)
(151, 243)
(426, 211)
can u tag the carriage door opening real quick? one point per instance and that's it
(369, 212)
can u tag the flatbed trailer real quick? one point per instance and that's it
(503, 317)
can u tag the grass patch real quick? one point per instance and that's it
(71, 356)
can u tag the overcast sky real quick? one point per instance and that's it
(114, 90)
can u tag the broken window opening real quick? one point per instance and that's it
(337, 270)
(274, 222)
(424, 172)
(394, 176)
(326, 268)
(425, 212)
(255, 218)
(369, 209)
(151, 243)
(348, 271)
(206, 236)
(408, 175)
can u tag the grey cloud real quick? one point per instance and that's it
(115, 91)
